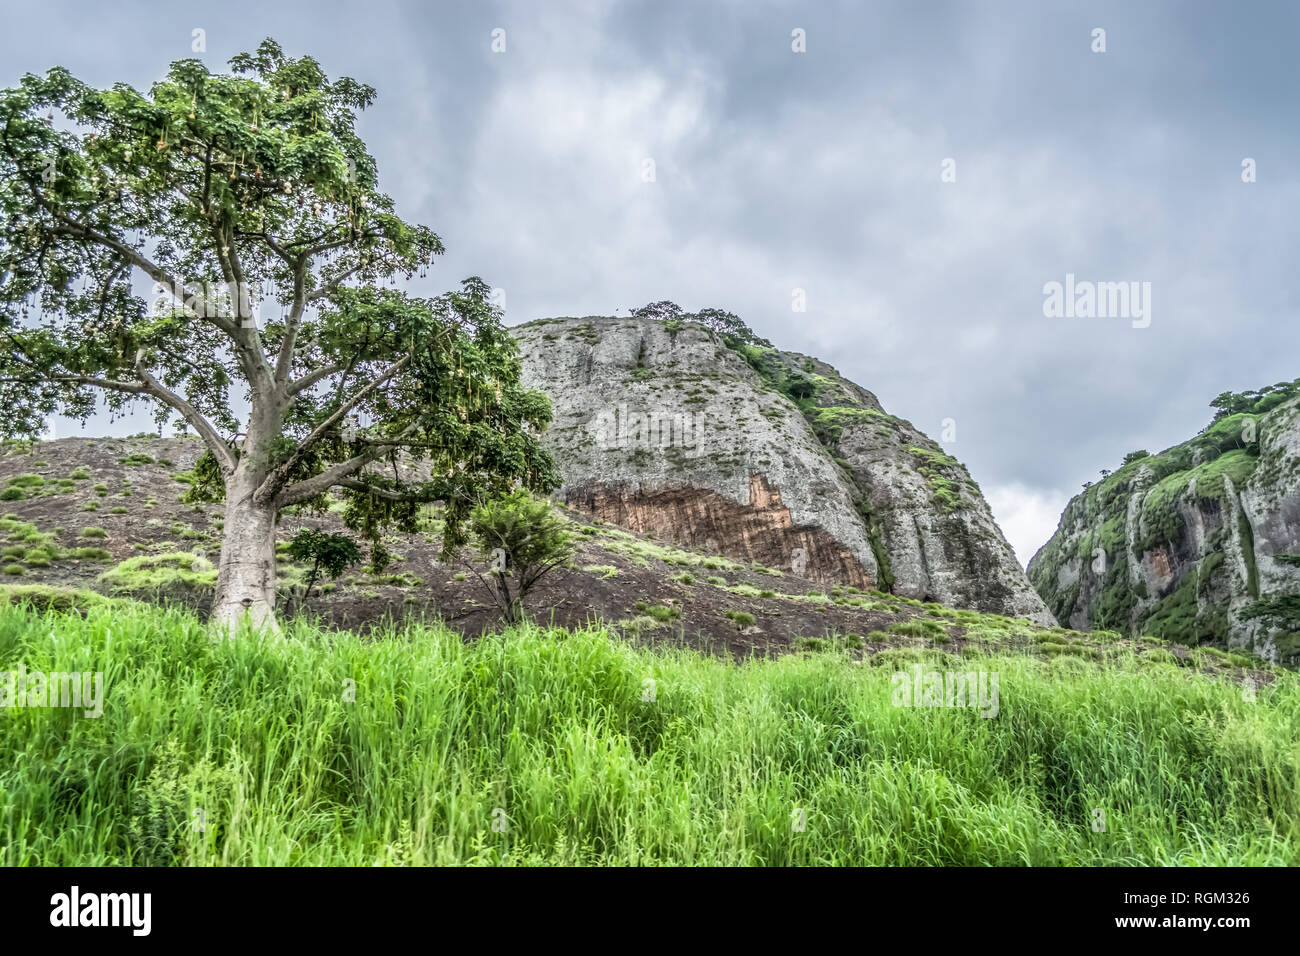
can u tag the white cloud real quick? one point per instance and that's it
(1028, 517)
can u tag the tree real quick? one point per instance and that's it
(221, 189)
(523, 541)
(331, 553)
(726, 324)
(1135, 456)
(1233, 403)
(661, 311)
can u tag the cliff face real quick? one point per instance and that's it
(769, 456)
(1198, 543)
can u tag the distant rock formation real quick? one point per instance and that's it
(666, 427)
(1198, 543)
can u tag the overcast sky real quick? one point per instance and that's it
(821, 171)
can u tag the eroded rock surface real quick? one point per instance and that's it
(1190, 544)
(769, 456)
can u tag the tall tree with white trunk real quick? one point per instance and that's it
(227, 230)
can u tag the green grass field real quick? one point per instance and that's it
(250, 752)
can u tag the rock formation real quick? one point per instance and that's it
(1198, 543)
(770, 456)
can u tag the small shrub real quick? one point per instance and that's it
(330, 553)
(93, 532)
(44, 597)
(12, 494)
(14, 569)
(918, 628)
(660, 612)
(815, 644)
(742, 619)
(1158, 656)
(89, 554)
(151, 571)
(532, 539)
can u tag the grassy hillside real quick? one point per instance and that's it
(713, 763)
(110, 516)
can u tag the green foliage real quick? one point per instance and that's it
(287, 767)
(152, 572)
(726, 324)
(742, 619)
(42, 598)
(931, 630)
(661, 613)
(1255, 402)
(331, 553)
(524, 541)
(1135, 456)
(829, 423)
(88, 554)
(1282, 610)
(257, 174)
(937, 468)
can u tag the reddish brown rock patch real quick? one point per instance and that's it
(693, 517)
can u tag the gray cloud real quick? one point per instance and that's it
(820, 171)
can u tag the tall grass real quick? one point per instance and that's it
(249, 752)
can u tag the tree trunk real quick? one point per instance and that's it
(246, 574)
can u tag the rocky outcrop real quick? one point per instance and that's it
(769, 456)
(1198, 543)
(761, 531)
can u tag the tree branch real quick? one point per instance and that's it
(225, 456)
(327, 479)
(314, 376)
(280, 474)
(285, 360)
(386, 493)
(74, 228)
(108, 384)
